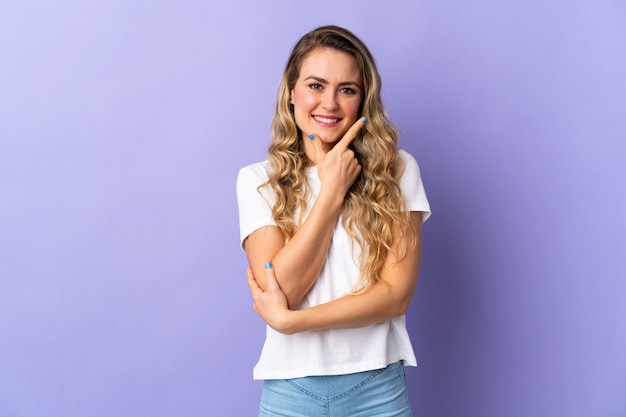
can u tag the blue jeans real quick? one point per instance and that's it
(381, 393)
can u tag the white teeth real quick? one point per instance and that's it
(325, 120)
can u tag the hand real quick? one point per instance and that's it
(270, 305)
(338, 168)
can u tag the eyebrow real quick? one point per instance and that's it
(323, 81)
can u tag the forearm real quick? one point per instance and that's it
(388, 298)
(380, 303)
(299, 262)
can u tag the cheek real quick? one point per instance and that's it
(352, 108)
(304, 101)
(303, 105)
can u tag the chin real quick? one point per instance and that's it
(330, 139)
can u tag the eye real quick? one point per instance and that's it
(315, 86)
(349, 91)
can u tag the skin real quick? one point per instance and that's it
(328, 85)
(326, 99)
(378, 303)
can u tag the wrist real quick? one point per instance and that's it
(286, 323)
(331, 199)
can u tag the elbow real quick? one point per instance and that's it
(393, 308)
(293, 298)
(401, 305)
(394, 303)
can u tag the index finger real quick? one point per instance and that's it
(351, 134)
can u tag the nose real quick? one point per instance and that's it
(329, 100)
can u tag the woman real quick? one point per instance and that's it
(331, 225)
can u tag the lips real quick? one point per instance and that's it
(326, 120)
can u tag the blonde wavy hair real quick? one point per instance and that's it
(374, 203)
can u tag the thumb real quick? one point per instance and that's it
(272, 284)
(319, 149)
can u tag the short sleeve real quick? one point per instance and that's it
(412, 186)
(255, 205)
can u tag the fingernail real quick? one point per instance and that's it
(311, 137)
(268, 265)
(364, 119)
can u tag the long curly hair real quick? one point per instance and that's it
(374, 203)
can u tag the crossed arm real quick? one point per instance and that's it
(297, 264)
(379, 302)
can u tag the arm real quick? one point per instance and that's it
(378, 303)
(298, 263)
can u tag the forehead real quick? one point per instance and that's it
(331, 65)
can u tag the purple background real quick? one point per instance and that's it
(123, 125)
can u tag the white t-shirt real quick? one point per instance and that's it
(332, 351)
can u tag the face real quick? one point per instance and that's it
(327, 95)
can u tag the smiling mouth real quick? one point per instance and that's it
(326, 120)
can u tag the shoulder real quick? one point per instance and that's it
(411, 168)
(257, 172)
(405, 156)
(249, 181)
(257, 168)
(412, 185)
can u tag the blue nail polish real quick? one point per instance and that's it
(364, 119)
(268, 265)
(311, 137)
